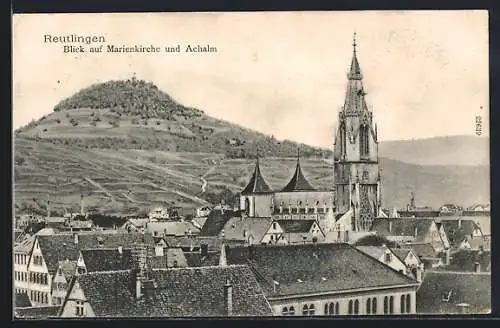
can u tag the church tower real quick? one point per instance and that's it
(356, 170)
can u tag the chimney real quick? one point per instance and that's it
(481, 249)
(289, 208)
(75, 238)
(281, 208)
(138, 288)
(459, 223)
(139, 254)
(324, 207)
(82, 205)
(120, 250)
(228, 298)
(245, 234)
(416, 232)
(390, 226)
(48, 208)
(477, 267)
(222, 258)
(307, 208)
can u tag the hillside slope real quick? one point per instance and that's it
(129, 181)
(134, 114)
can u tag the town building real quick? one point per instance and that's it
(211, 291)
(387, 256)
(412, 261)
(36, 260)
(326, 279)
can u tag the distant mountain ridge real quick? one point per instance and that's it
(127, 145)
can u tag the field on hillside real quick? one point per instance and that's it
(127, 181)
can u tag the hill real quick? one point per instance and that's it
(127, 146)
(135, 114)
(450, 150)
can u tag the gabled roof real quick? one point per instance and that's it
(299, 226)
(257, 183)
(22, 300)
(298, 182)
(314, 268)
(458, 230)
(173, 228)
(215, 222)
(402, 226)
(373, 251)
(25, 246)
(471, 288)
(181, 292)
(423, 250)
(107, 259)
(401, 253)
(60, 247)
(238, 228)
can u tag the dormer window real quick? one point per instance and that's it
(79, 308)
(388, 257)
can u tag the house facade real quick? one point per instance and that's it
(385, 255)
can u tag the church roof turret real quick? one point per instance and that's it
(257, 183)
(298, 181)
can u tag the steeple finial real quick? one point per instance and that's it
(354, 42)
(298, 153)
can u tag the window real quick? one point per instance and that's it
(364, 141)
(374, 305)
(312, 310)
(308, 310)
(386, 305)
(388, 257)
(403, 303)
(79, 308)
(356, 307)
(350, 307)
(274, 226)
(337, 310)
(332, 308)
(391, 304)
(368, 306)
(408, 303)
(288, 311)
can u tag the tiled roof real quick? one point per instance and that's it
(401, 253)
(458, 230)
(60, 247)
(22, 300)
(172, 228)
(470, 288)
(238, 228)
(314, 268)
(215, 222)
(296, 226)
(182, 292)
(36, 312)
(298, 182)
(419, 214)
(25, 246)
(423, 250)
(107, 259)
(464, 260)
(374, 251)
(257, 183)
(402, 227)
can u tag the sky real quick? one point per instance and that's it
(281, 73)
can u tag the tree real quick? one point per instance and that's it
(374, 240)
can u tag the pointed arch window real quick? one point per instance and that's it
(342, 140)
(364, 141)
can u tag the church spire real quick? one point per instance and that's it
(298, 181)
(355, 70)
(257, 183)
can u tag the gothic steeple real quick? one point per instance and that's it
(298, 181)
(257, 183)
(355, 100)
